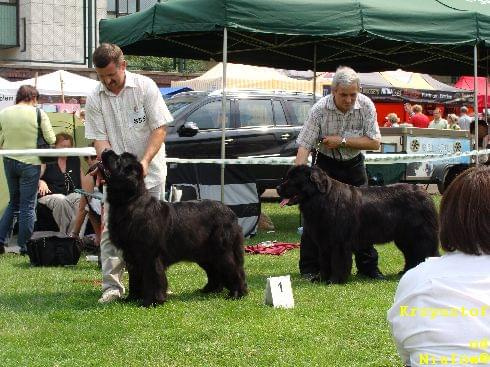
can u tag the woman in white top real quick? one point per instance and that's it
(441, 312)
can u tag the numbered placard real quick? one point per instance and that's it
(278, 292)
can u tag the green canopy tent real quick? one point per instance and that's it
(432, 36)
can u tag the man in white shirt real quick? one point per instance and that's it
(125, 113)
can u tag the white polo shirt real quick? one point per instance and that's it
(441, 312)
(126, 120)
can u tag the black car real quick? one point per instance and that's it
(259, 123)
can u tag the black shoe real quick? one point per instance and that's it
(312, 277)
(376, 274)
(23, 251)
(2, 248)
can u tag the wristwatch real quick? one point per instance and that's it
(343, 143)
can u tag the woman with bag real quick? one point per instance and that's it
(19, 130)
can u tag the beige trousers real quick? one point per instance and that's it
(64, 209)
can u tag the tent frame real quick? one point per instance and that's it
(346, 49)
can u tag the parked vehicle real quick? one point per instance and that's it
(258, 123)
(267, 123)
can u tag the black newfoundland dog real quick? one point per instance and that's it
(341, 218)
(154, 234)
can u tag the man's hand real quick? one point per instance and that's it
(145, 165)
(43, 188)
(332, 141)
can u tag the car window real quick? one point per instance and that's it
(255, 112)
(208, 116)
(175, 106)
(279, 116)
(300, 110)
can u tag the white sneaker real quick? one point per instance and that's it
(110, 295)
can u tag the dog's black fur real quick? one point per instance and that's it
(341, 219)
(154, 234)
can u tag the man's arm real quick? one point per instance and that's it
(361, 142)
(157, 137)
(100, 146)
(301, 156)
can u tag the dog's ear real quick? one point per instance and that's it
(320, 179)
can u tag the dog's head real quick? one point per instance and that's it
(302, 182)
(123, 174)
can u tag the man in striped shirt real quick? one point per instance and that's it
(343, 123)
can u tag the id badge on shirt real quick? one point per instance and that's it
(137, 118)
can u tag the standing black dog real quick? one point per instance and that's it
(341, 218)
(154, 234)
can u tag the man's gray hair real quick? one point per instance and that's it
(345, 76)
(464, 109)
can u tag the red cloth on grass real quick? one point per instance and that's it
(277, 248)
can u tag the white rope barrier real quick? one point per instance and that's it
(370, 158)
(61, 152)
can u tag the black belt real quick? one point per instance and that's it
(345, 163)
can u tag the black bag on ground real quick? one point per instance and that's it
(53, 251)
(41, 142)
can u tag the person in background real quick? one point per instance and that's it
(58, 183)
(464, 120)
(417, 118)
(344, 122)
(441, 307)
(438, 122)
(453, 120)
(392, 120)
(125, 113)
(19, 130)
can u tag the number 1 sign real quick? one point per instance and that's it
(278, 292)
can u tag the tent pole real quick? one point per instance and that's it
(62, 89)
(475, 71)
(314, 73)
(223, 112)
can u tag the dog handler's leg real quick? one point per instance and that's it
(308, 255)
(112, 264)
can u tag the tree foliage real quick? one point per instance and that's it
(165, 64)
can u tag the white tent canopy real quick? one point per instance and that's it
(57, 83)
(244, 76)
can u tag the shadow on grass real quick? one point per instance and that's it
(258, 281)
(40, 302)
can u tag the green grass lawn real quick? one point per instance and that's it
(50, 316)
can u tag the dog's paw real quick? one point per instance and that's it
(236, 294)
(132, 298)
(152, 303)
(315, 278)
(211, 288)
